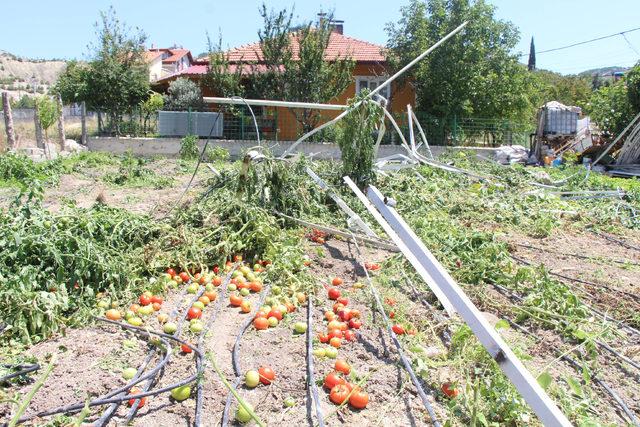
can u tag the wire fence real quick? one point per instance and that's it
(278, 124)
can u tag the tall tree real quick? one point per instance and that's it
(116, 79)
(532, 56)
(474, 73)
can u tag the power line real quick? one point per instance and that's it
(621, 33)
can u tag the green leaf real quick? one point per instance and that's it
(545, 379)
(502, 324)
(576, 388)
(579, 334)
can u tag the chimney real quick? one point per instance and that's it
(338, 26)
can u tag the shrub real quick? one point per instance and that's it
(189, 147)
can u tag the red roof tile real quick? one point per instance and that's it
(176, 54)
(201, 69)
(150, 55)
(340, 46)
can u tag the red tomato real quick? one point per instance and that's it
(449, 390)
(335, 342)
(324, 338)
(334, 293)
(235, 300)
(261, 323)
(359, 399)
(345, 315)
(390, 301)
(156, 299)
(194, 313)
(156, 306)
(186, 349)
(332, 380)
(336, 333)
(266, 375)
(171, 272)
(255, 286)
(145, 300)
(355, 324)
(275, 313)
(398, 329)
(344, 301)
(350, 335)
(342, 366)
(143, 401)
(184, 276)
(339, 394)
(392, 314)
(336, 281)
(216, 269)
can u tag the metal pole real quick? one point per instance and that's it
(521, 378)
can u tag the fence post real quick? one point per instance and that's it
(61, 135)
(241, 124)
(8, 121)
(38, 126)
(455, 129)
(83, 122)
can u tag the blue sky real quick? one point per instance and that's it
(63, 28)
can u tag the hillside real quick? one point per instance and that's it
(21, 74)
(604, 71)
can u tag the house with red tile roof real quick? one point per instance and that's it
(165, 62)
(370, 70)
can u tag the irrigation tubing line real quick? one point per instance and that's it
(235, 358)
(618, 241)
(23, 369)
(579, 369)
(584, 282)
(617, 261)
(107, 400)
(210, 321)
(602, 344)
(312, 387)
(396, 342)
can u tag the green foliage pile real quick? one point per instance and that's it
(357, 139)
(134, 173)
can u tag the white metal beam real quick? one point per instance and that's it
(521, 378)
(271, 103)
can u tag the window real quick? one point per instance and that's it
(372, 82)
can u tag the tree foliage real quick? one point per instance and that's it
(472, 74)
(116, 79)
(614, 106)
(182, 95)
(569, 90)
(48, 113)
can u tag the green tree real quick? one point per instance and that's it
(610, 108)
(222, 78)
(531, 65)
(569, 90)
(472, 74)
(48, 113)
(633, 86)
(149, 108)
(116, 79)
(182, 95)
(25, 101)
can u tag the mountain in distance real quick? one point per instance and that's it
(28, 75)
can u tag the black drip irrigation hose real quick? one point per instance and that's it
(396, 342)
(236, 351)
(614, 240)
(110, 399)
(574, 364)
(22, 370)
(602, 344)
(584, 282)
(199, 364)
(312, 388)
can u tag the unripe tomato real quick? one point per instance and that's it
(245, 307)
(235, 300)
(335, 342)
(113, 314)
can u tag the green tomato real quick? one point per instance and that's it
(289, 402)
(242, 415)
(273, 321)
(129, 314)
(193, 288)
(103, 304)
(244, 292)
(319, 352)
(276, 290)
(236, 274)
(300, 327)
(196, 327)
(198, 304)
(47, 224)
(251, 277)
(181, 393)
(173, 284)
(135, 321)
(170, 328)
(129, 373)
(252, 378)
(209, 287)
(331, 352)
(232, 287)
